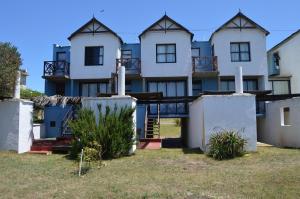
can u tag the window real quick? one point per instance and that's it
(195, 52)
(92, 89)
(197, 87)
(94, 55)
(165, 53)
(127, 86)
(52, 123)
(240, 52)
(250, 85)
(280, 87)
(276, 59)
(61, 56)
(285, 116)
(227, 85)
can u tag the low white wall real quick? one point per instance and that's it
(271, 129)
(39, 131)
(211, 113)
(120, 101)
(16, 125)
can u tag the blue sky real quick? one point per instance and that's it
(34, 25)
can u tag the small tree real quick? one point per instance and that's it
(10, 61)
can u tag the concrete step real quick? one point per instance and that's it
(150, 143)
(40, 152)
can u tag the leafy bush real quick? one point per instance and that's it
(114, 134)
(10, 61)
(226, 145)
(178, 122)
(27, 93)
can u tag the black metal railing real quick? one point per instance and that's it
(132, 65)
(205, 64)
(56, 68)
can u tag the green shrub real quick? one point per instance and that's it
(178, 122)
(92, 153)
(226, 145)
(114, 134)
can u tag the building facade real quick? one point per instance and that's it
(283, 65)
(166, 60)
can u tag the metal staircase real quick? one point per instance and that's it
(70, 115)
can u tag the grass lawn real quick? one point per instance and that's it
(168, 129)
(165, 173)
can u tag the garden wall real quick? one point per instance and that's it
(281, 124)
(211, 113)
(120, 101)
(16, 125)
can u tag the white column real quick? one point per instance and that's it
(239, 80)
(121, 81)
(17, 94)
(190, 85)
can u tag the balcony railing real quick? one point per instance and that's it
(132, 65)
(56, 69)
(205, 64)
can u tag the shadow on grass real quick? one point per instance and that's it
(192, 151)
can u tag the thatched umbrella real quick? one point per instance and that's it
(42, 101)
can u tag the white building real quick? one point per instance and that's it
(284, 65)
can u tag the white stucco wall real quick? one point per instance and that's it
(258, 64)
(211, 113)
(271, 130)
(16, 125)
(120, 101)
(183, 65)
(112, 47)
(290, 61)
(39, 131)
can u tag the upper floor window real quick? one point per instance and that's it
(126, 54)
(91, 89)
(280, 87)
(94, 55)
(165, 53)
(240, 51)
(276, 59)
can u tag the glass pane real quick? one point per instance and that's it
(101, 49)
(171, 89)
(252, 85)
(197, 85)
(85, 90)
(103, 88)
(170, 57)
(224, 86)
(281, 87)
(100, 60)
(126, 54)
(161, 87)
(235, 57)
(163, 108)
(231, 86)
(161, 58)
(181, 108)
(92, 90)
(171, 49)
(161, 49)
(153, 108)
(195, 52)
(152, 87)
(172, 108)
(234, 47)
(180, 89)
(244, 47)
(245, 85)
(61, 56)
(245, 57)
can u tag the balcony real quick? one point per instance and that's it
(132, 65)
(205, 65)
(56, 70)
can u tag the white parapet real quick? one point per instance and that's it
(121, 80)
(212, 113)
(239, 80)
(119, 101)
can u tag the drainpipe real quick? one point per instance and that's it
(121, 80)
(239, 80)
(17, 87)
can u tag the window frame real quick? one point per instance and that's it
(240, 52)
(249, 80)
(166, 53)
(281, 80)
(93, 82)
(122, 53)
(85, 56)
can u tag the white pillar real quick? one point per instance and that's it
(17, 94)
(190, 85)
(121, 81)
(239, 80)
